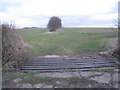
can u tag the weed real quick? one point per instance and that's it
(74, 80)
(34, 80)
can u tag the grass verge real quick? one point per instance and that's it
(27, 77)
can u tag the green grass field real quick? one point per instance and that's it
(68, 41)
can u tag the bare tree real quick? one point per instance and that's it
(54, 24)
(117, 23)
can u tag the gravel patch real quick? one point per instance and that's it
(98, 73)
(102, 79)
(86, 74)
(17, 80)
(115, 77)
(48, 86)
(116, 86)
(57, 82)
(25, 86)
(39, 85)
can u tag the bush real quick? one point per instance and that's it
(13, 46)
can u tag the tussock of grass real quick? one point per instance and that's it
(74, 80)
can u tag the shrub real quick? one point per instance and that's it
(13, 46)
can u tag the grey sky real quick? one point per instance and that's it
(74, 13)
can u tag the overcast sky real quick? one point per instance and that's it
(73, 13)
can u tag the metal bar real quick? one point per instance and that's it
(69, 70)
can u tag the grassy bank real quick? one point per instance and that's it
(68, 41)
